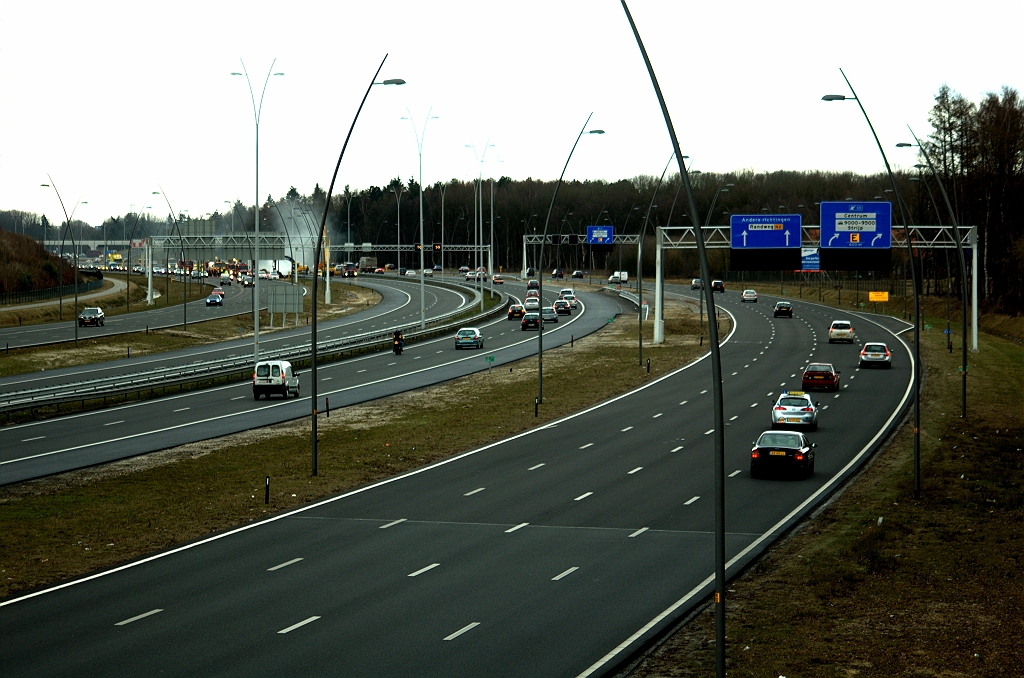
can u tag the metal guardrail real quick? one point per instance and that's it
(207, 370)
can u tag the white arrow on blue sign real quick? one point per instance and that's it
(765, 231)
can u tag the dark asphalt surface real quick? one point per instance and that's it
(65, 443)
(399, 304)
(553, 553)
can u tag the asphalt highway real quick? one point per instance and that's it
(64, 443)
(555, 552)
(398, 305)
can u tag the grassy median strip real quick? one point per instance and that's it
(881, 584)
(67, 525)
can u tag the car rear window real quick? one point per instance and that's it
(819, 368)
(262, 370)
(793, 402)
(779, 440)
(840, 326)
(875, 348)
(275, 371)
(466, 333)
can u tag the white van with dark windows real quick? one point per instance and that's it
(274, 376)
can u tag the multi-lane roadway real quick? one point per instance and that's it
(556, 552)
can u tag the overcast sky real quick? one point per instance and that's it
(114, 99)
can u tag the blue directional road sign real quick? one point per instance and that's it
(853, 225)
(765, 231)
(600, 235)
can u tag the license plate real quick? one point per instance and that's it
(793, 420)
(875, 355)
(817, 377)
(777, 453)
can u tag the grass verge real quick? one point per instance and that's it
(882, 584)
(67, 525)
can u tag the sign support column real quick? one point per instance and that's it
(659, 290)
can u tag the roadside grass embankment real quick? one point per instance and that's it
(879, 583)
(62, 526)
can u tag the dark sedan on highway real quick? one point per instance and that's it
(531, 321)
(91, 316)
(516, 311)
(820, 375)
(783, 308)
(779, 450)
(215, 300)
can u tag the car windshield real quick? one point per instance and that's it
(819, 368)
(779, 440)
(840, 326)
(90, 311)
(793, 402)
(782, 304)
(749, 292)
(875, 348)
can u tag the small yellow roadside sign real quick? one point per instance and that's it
(878, 296)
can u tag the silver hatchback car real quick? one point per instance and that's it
(795, 408)
(841, 330)
(875, 353)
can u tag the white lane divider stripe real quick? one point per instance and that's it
(278, 567)
(628, 428)
(534, 468)
(734, 417)
(138, 617)
(111, 423)
(707, 433)
(565, 574)
(704, 391)
(690, 501)
(657, 415)
(423, 569)
(183, 409)
(684, 402)
(239, 397)
(358, 371)
(676, 449)
(754, 405)
(392, 523)
(465, 628)
(583, 496)
(735, 473)
(634, 470)
(479, 489)
(583, 447)
(516, 527)
(639, 532)
(28, 440)
(301, 623)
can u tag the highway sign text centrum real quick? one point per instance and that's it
(856, 225)
(765, 231)
(600, 235)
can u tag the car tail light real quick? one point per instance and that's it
(807, 409)
(780, 407)
(864, 350)
(754, 454)
(799, 456)
(887, 354)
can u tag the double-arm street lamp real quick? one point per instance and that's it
(256, 112)
(128, 293)
(420, 137)
(540, 262)
(316, 256)
(913, 271)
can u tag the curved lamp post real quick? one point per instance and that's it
(716, 368)
(181, 240)
(67, 219)
(963, 267)
(913, 272)
(540, 262)
(256, 112)
(128, 292)
(319, 245)
(420, 138)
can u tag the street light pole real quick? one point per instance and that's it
(540, 278)
(128, 292)
(963, 269)
(913, 271)
(74, 248)
(716, 368)
(256, 111)
(420, 138)
(398, 238)
(316, 257)
(181, 240)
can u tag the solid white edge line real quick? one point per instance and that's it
(458, 633)
(278, 567)
(423, 569)
(386, 481)
(393, 522)
(301, 623)
(516, 527)
(138, 617)
(742, 554)
(565, 574)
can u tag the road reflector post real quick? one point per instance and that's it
(572, 340)
(327, 406)
(266, 497)
(536, 406)
(648, 366)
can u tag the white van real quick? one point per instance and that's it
(274, 376)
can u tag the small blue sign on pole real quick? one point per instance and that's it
(600, 235)
(856, 225)
(810, 259)
(765, 231)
